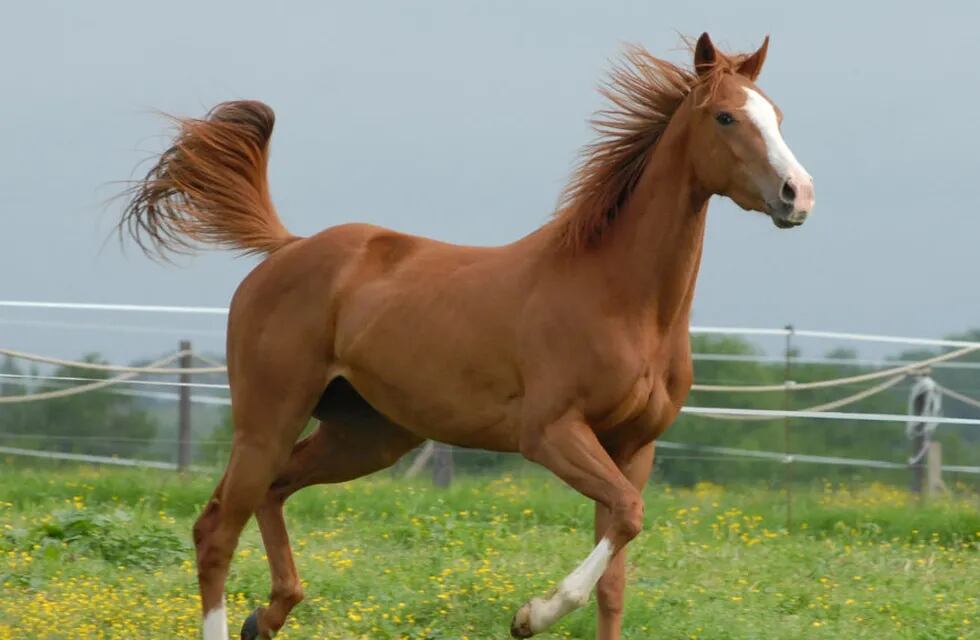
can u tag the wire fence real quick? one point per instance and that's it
(158, 451)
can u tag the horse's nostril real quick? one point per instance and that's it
(788, 194)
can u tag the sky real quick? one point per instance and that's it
(462, 121)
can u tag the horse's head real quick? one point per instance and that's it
(738, 150)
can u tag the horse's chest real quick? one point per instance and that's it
(627, 404)
(646, 406)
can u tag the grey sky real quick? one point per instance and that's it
(461, 121)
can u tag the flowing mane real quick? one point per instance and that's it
(644, 92)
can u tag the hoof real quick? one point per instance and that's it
(520, 626)
(250, 630)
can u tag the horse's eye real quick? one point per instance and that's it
(724, 118)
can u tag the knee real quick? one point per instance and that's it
(630, 520)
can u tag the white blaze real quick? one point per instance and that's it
(763, 116)
(216, 624)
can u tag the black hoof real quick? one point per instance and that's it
(250, 630)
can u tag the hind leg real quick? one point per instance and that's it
(269, 413)
(250, 471)
(338, 451)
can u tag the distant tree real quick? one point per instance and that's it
(11, 384)
(98, 422)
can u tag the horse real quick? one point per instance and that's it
(569, 345)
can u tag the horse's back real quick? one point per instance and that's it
(345, 278)
(400, 317)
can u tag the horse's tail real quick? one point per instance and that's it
(210, 187)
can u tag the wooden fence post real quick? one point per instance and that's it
(184, 411)
(934, 470)
(918, 467)
(925, 403)
(918, 443)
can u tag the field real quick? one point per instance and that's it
(103, 553)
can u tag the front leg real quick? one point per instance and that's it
(569, 448)
(612, 584)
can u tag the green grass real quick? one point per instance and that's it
(104, 553)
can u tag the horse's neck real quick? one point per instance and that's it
(654, 250)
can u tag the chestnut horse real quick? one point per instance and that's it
(569, 345)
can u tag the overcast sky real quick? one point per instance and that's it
(461, 121)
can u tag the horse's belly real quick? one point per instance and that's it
(446, 407)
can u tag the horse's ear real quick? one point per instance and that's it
(752, 66)
(704, 55)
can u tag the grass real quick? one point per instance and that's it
(104, 553)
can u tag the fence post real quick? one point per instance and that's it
(924, 403)
(787, 445)
(184, 411)
(934, 470)
(918, 401)
(442, 465)
(918, 468)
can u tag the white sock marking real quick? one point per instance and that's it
(216, 624)
(574, 590)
